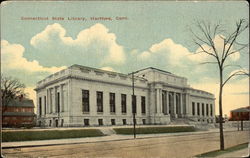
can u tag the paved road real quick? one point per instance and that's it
(170, 146)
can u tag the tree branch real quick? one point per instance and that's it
(237, 73)
(209, 62)
(203, 49)
(233, 37)
(232, 66)
(235, 51)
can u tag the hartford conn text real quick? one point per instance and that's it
(75, 18)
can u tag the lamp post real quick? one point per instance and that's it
(133, 103)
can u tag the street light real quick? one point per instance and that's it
(133, 103)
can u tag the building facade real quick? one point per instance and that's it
(240, 114)
(83, 96)
(18, 113)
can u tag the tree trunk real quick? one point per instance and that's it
(220, 111)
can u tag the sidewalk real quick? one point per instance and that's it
(113, 137)
(236, 154)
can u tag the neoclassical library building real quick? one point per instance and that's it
(85, 96)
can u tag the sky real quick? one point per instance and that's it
(121, 36)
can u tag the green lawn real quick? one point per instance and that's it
(12, 136)
(219, 152)
(152, 130)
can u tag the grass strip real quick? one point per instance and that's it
(153, 130)
(11, 136)
(220, 152)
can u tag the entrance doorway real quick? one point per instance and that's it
(56, 123)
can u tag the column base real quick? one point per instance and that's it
(174, 116)
(164, 119)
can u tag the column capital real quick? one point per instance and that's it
(158, 86)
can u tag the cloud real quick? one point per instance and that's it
(144, 55)
(95, 42)
(175, 54)
(178, 59)
(13, 59)
(172, 57)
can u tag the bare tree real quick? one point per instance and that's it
(204, 39)
(11, 88)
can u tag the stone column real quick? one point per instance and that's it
(55, 98)
(68, 97)
(48, 104)
(174, 104)
(37, 103)
(50, 101)
(47, 101)
(61, 98)
(160, 101)
(167, 103)
(118, 108)
(213, 110)
(196, 108)
(157, 101)
(187, 105)
(205, 110)
(164, 111)
(201, 110)
(181, 106)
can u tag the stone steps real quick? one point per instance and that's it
(107, 131)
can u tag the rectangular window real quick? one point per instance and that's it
(40, 106)
(112, 121)
(193, 108)
(207, 109)
(211, 110)
(203, 110)
(50, 101)
(45, 105)
(143, 121)
(143, 105)
(99, 100)
(124, 121)
(86, 122)
(198, 109)
(100, 122)
(134, 104)
(177, 103)
(170, 100)
(124, 103)
(112, 102)
(58, 102)
(85, 101)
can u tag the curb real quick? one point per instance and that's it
(118, 139)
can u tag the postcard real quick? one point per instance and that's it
(124, 78)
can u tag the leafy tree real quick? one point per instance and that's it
(204, 38)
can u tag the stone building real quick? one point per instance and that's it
(83, 96)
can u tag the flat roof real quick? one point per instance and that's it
(243, 109)
(153, 69)
(21, 103)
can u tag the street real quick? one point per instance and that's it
(164, 146)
